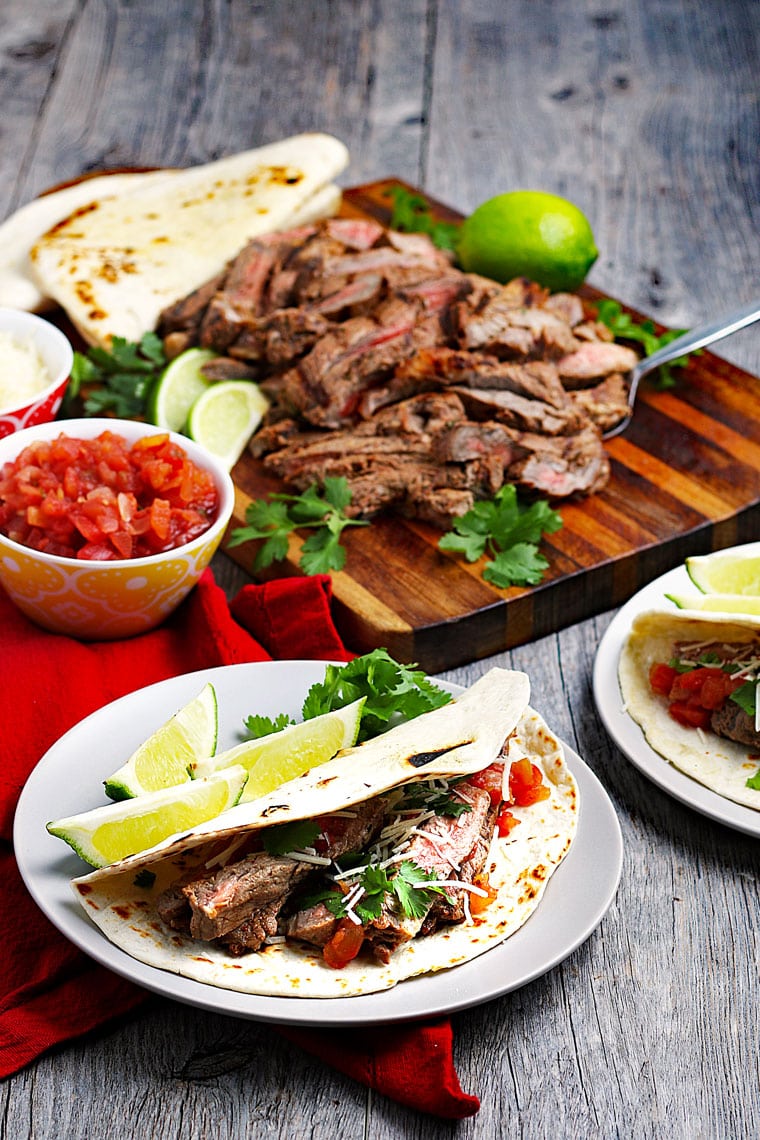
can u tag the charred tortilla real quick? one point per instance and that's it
(117, 260)
(122, 900)
(721, 764)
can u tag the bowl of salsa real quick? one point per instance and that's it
(105, 524)
(35, 364)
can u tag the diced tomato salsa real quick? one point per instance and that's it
(694, 695)
(105, 498)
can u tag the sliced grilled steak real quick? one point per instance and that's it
(527, 414)
(733, 723)
(606, 403)
(593, 360)
(187, 314)
(441, 846)
(561, 466)
(315, 924)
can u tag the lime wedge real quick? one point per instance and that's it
(225, 416)
(273, 760)
(178, 388)
(718, 603)
(723, 573)
(167, 756)
(107, 834)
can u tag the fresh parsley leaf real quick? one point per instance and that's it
(407, 885)
(121, 379)
(745, 697)
(274, 519)
(611, 314)
(509, 532)
(258, 726)
(284, 837)
(392, 691)
(412, 213)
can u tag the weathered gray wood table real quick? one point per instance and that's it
(647, 116)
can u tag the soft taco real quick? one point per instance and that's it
(118, 259)
(691, 683)
(414, 852)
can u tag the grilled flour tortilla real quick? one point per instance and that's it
(721, 764)
(463, 737)
(118, 259)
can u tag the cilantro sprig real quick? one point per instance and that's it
(509, 532)
(410, 886)
(412, 214)
(121, 380)
(392, 691)
(611, 314)
(276, 517)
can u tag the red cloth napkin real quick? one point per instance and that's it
(48, 683)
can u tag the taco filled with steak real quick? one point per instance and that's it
(691, 683)
(411, 853)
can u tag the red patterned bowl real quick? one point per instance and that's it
(58, 357)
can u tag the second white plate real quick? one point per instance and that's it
(627, 734)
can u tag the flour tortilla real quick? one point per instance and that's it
(117, 259)
(519, 866)
(719, 764)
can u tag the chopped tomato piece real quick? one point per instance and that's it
(344, 945)
(505, 822)
(661, 678)
(491, 780)
(689, 715)
(479, 903)
(526, 783)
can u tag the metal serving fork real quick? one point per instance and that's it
(689, 342)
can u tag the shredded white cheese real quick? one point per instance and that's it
(23, 373)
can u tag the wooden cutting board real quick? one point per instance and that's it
(685, 480)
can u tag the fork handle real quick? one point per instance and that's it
(698, 338)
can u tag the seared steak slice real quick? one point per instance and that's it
(606, 403)
(733, 723)
(592, 360)
(315, 924)
(225, 368)
(187, 314)
(223, 900)
(525, 414)
(567, 306)
(561, 466)
(508, 332)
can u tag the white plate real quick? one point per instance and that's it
(625, 731)
(68, 778)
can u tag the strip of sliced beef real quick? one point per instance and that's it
(606, 403)
(525, 413)
(592, 360)
(733, 723)
(241, 902)
(561, 466)
(511, 332)
(187, 313)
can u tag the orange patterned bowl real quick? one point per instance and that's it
(102, 600)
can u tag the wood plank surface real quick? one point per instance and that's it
(685, 479)
(645, 114)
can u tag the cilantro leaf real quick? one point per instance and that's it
(392, 691)
(434, 799)
(284, 837)
(745, 697)
(412, 213)
(258, 726)
(274, 519)
(121, 379)
(406, 884)
(754, 781)
(509, 532)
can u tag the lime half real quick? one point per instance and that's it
(107, 834)
(718, 603)
(178, 388)
(722, 573)
(225, 416)
(166, 757)
(273, 760)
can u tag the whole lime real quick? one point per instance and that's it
(528, 233)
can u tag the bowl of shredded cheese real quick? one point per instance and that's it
(35, 364)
